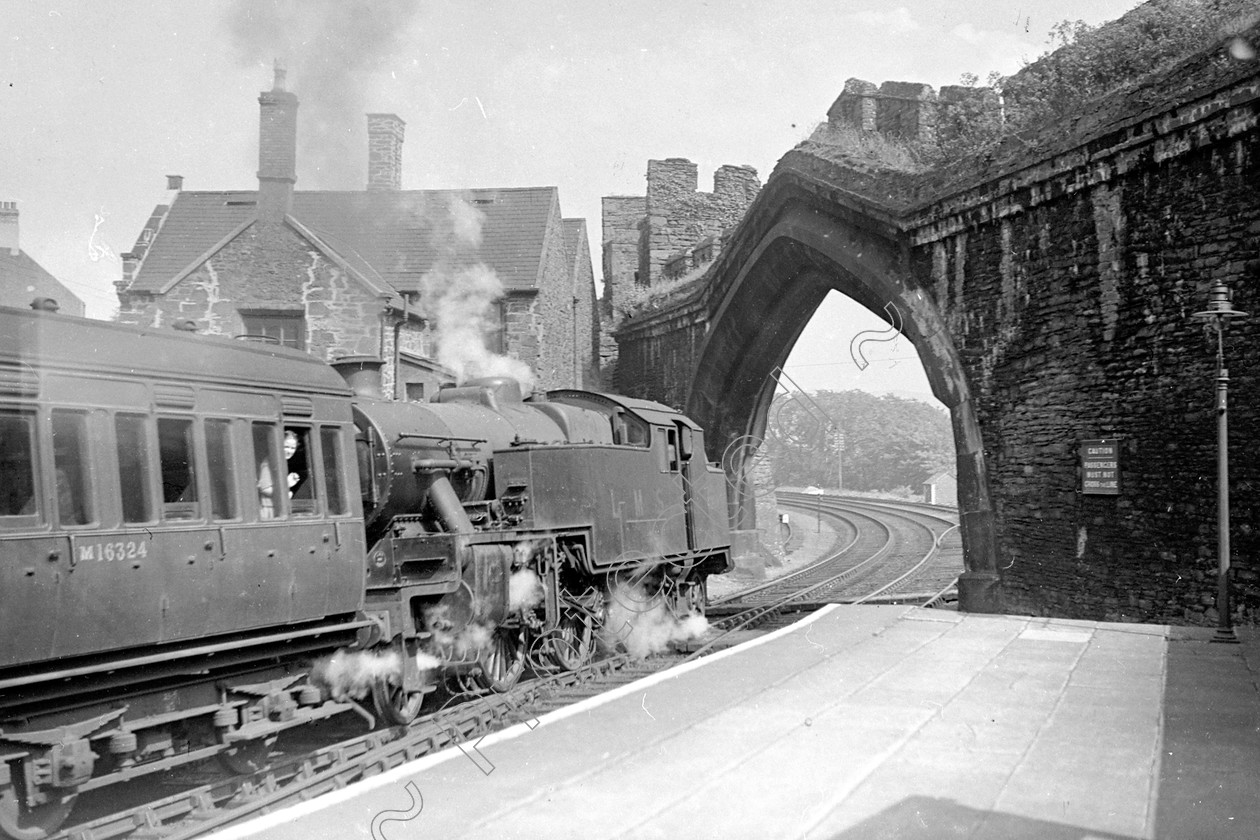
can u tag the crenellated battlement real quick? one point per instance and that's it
(913, 111)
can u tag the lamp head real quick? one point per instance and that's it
(1220, 304)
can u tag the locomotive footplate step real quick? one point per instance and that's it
(859, 721)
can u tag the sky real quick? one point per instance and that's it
(102, 100)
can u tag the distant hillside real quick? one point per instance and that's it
(889, 442)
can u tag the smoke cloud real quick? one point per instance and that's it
(337, 53)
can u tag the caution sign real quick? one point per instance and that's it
(1100, 467)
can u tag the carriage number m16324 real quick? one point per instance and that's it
(111, 551)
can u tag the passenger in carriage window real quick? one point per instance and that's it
(266, 474)
(295, 459)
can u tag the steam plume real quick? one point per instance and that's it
(350, 674)
(643, 624)
(459, 294)
(525, 590)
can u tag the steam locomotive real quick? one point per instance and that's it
(187, 522)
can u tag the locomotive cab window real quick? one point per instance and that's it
(629, 430)
(133, 468)
(71, 467)
(669, 459)
(19, 495)
(179, 476)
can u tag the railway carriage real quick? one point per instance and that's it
(187, 522)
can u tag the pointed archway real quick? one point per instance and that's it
(797, 243)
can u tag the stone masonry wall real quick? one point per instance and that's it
(554, 313)
(1067, 268)
(1074, 318)
(678, 216)
(657, 350)
(267, 268)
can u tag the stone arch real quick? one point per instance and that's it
(780, 265)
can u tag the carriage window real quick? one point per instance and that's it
(297, 454)
(265, 460)
(330, 447)
(179, 478)
(219, 464)
(133, 468)
(17, 467)
(70, 467)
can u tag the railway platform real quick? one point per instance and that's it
(860, 722)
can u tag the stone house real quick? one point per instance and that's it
(440, 284)
(22, 280)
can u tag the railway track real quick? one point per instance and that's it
(888, 550)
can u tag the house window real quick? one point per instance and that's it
(282, 328)
(496, 329)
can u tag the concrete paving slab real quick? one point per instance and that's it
(869, 722)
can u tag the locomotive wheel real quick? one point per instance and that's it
(247, 757)
(36, 823)
(572, 643)
(503, 660)
(394, 706)
(696, 596)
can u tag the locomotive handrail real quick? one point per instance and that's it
(429, 464)
(440, 438)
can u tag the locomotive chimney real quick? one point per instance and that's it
(362, 374)
(277, 150)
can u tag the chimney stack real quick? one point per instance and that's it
(385, 139)
(277, 151)
(9, 227)
(174, 183)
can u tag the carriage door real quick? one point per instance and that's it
(681, 444)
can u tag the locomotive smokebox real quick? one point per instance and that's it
(362, 374)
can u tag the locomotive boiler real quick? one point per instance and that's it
(187, 522)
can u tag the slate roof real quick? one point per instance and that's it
(22, 280)
(390, 238)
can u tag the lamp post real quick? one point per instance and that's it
(1220, 310)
